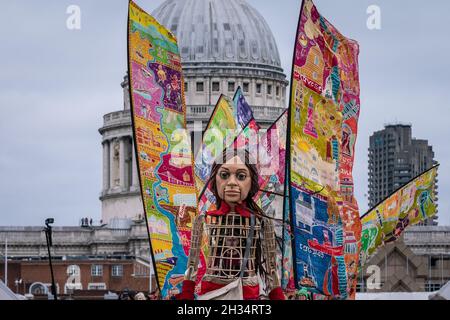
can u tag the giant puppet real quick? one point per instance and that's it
(290, 217)
(240, 238)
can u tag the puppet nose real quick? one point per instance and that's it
(232, 180)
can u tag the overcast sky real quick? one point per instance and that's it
(56, 84)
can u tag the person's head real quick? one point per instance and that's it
(125, 295)
(140, 296)
(234, 178)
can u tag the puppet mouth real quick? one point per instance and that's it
(232, 192)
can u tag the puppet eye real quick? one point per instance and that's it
(224, 175)
(241, 176)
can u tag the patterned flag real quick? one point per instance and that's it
(272, 171)
(221, 126)
(412, 203)
(228, 119)
(162, 145)
(247, 139)
(231, 123)
(323, 116)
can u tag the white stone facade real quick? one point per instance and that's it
(120, 194)
(223, 45)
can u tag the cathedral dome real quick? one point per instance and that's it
(217, 31)
(224, 44)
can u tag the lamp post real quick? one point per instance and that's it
(6, 262)
(48, 237)
(5, 257)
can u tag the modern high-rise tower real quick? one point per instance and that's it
(394, 159)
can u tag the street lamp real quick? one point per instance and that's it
(48, 237)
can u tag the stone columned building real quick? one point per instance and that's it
(223, 45)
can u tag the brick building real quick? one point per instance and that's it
(112, 258)
(114, 274)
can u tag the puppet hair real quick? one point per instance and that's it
(246, 158)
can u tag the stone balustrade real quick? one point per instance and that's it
(193, 113)
(261, 113)
(118, 118)
(30, 241)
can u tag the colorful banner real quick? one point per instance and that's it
(272, 163)
(411, 204)
(221, 126)
(323, 116)
(231, 123)
(272, 172)
(228, 119)
(246, 139)
(162, 144)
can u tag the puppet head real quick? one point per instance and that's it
(234, 178)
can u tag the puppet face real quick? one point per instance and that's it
(233, 181)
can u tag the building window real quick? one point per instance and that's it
(140, 270)
(200, 87)
(433, 262)
(246, 86)
(269, 89)
(117, 270)
(430, 286)
(215, 86)
(200, 49)
(230, 86)
(258, 88)
(186, 87)
(278, 91)
(96, 270)
(97, 286)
